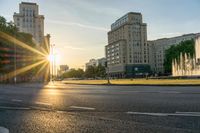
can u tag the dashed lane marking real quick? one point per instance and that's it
(60, 112)
(4, 130)
(143, 113)
(16, 100)
(43, 103)
(40, 108)
(84, 108)
(189, 114)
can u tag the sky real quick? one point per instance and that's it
(79, 28)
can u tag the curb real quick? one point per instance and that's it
(178, 85)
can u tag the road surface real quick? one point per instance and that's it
(60, 108)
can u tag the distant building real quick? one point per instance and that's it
(92, 62)
(64, 68)
(96, 62)
(127, 50)
(101, 61)
(29, 21)
(157, 50)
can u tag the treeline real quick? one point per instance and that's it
(174, 53)
(11, 29)
(90, 72)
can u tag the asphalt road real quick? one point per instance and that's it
(60, 108)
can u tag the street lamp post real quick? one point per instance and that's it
(108, 73)
(15, 62)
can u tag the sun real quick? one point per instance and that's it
(50, 58)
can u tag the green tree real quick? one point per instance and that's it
(73, 73)
(95, 71)
(90, 72)
(100, 71)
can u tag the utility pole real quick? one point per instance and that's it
(15, 62)
(55, 69)
(108, 73)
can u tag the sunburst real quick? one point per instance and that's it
(40, 60)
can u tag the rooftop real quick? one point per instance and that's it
(28, 3)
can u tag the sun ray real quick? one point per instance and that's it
(46, 44)
(41, 68)
(47, 72)
(21, 70)
(19, 43)
(44, 51)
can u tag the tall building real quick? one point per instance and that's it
(29, 21)
(157, 50)
(127, 50)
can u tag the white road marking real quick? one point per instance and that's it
(84, 108)
(4, 130)
(43, 103)
(152, 114)
(16, 100)
(61, 112)
(14, 108)
(190, 114)
(40, 108)
(169, 92)
(197, 114)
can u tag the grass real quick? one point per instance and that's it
(138, 82)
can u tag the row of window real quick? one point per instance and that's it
(28, 12)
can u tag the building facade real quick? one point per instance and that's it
(157, 50)
(29, 21)
(96, 62)
(127, 50)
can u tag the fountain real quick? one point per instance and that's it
(187, 65)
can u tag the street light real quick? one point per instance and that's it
(108, 73)
(15, 61)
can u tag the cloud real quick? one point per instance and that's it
(78, 25)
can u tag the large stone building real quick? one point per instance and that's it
(157, 50)
(29, 21)
(127, 50)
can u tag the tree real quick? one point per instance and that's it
(95, 72)
(90, 72)
(73, 73)
(101, 71)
